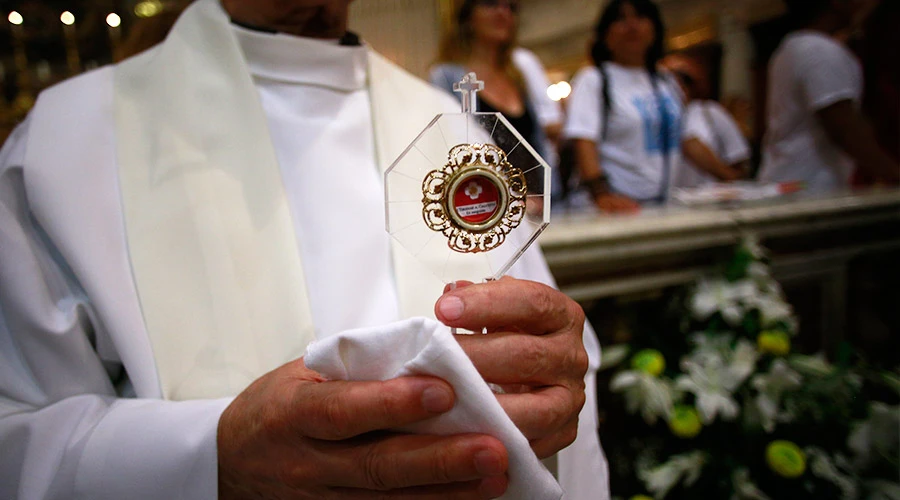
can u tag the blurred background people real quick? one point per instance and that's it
(483, 41)
(624, 115)
(881, 67)
(713, 146)
(815, 131)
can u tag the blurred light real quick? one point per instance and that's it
(113, 20)
(43, 71)
(15, 18)
(559, 91)
(553, 92)
(67, 18)
(148, 8)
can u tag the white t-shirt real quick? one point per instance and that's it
(708, 122)
(631, 151)
(809, 72)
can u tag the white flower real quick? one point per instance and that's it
(717, 296)
(822, 466)
(812, 366)
(651, 395)
(743, 362)
(662, 478)
(892, 380)
(883, 490)
(721, 296)
(767, 284)
(877, 436)
(744, 488)
(750, 243)
(713, 376)
(613, 356)
(705, 343)
(759, 272)
(772, 309)
(771, 387)
(474, 190)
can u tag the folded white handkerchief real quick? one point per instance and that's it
(423, 346)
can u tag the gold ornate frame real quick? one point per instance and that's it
(464, 162)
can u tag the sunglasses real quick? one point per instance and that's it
(513, 6)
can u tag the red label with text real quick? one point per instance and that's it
(477, 199)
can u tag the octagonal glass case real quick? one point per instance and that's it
(469, 195)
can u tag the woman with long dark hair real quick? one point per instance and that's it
(624, 115)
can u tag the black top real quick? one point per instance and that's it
(527, 126)
(524, 123)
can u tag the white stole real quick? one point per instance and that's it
(209, 231)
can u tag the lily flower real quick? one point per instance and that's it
(713, 377)
(650, 395)
(770, 388)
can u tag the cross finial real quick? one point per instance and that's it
(468, 87)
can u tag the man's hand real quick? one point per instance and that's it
(292, 434)
(534, 349)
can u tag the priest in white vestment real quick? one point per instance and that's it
(176, 229)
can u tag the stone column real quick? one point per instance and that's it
(737, 54)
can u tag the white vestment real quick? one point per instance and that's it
(127, 324)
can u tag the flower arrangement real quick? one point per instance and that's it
(728, 410)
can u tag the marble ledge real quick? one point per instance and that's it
(722, 221)
(594, 256)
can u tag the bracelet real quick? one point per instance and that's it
(597, 186)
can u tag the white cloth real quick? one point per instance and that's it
(632, 153)
(708, 122)
(82, 409)
(425, 347)
(809, 72)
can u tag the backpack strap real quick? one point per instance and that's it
(605, 99)
(666, 133)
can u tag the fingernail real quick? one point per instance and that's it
(451, 307)
(437, 400)
(488, 463)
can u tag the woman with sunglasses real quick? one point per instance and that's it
(625, 116)
(483, 40)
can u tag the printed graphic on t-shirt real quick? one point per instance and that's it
(649, 109)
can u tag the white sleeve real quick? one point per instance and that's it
(696, 125)
(548, 111)
(65, 431)
(737, 147)
(823, 73)
(585, 106)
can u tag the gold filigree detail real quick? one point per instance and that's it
(469, 161)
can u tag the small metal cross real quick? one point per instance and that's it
(468, 87)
